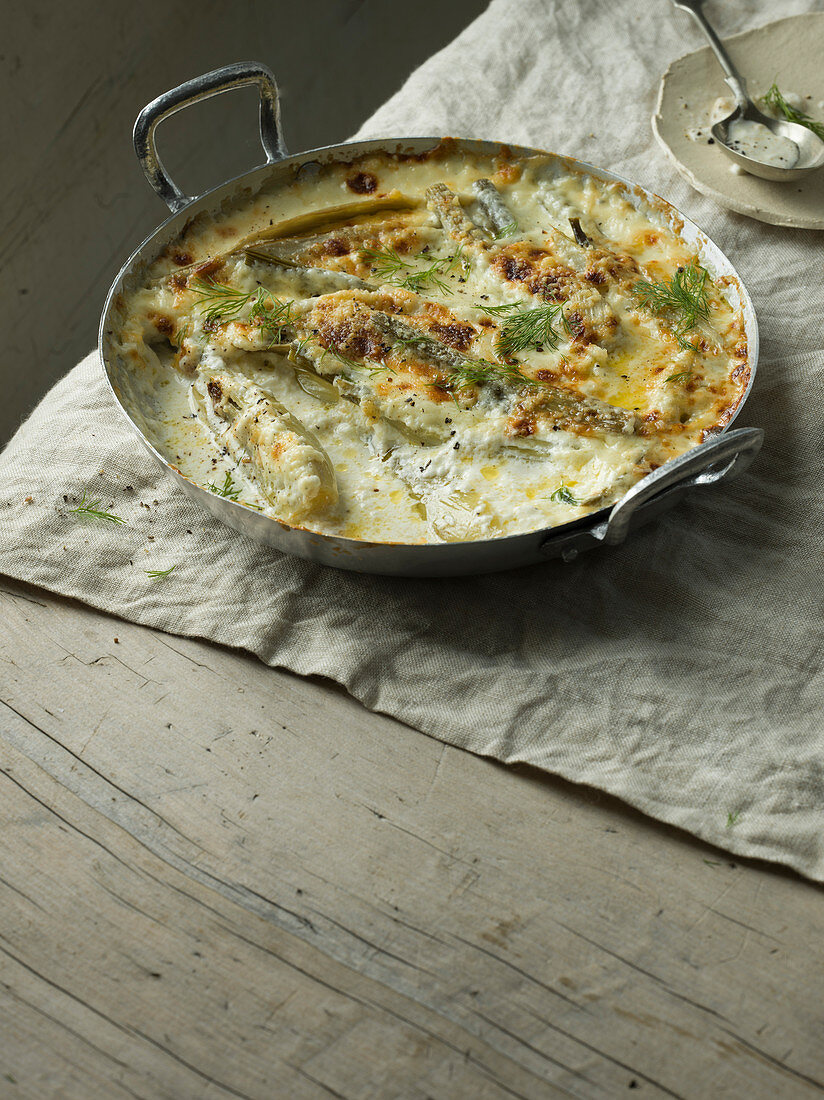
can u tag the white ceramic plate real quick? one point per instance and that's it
(790, 52)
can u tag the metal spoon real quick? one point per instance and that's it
(810, 146)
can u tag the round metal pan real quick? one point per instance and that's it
(723, 456)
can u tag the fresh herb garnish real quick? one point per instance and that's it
(272, 315)
(776, 100)
(529, 328)
(228, 489)
(231, 492)
(507, 231)
(385, 262)
(733, 818)
(389, 266)
(499, 311)
(89, 508)
(415, 342)
(341, 358)
(298, 347)
(428, 279)
(471, 372)
(683, 299)
(562, 495)
(477, 371)
(378, 368)
(464, 261)
(682, 376)
(218, 301)
(155, 573)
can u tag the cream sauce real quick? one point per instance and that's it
(453, 470)
(758, 142)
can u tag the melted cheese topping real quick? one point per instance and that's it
(337, 346)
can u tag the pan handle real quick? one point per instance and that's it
(724, 456)
(193, 91)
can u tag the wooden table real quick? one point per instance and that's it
(221, 880)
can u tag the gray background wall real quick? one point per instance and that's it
(72, 79)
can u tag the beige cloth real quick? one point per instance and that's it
(681, 671)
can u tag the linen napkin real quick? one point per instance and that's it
(681, 671)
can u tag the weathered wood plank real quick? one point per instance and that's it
(399, 901)
(166, 980)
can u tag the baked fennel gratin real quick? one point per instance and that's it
(426, 348)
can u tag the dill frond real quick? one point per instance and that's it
(461, 261)
(385, 262)
(273, 316)
(507, 231)
(682, 376)
(472, 372)
(683, 299)
(217, 301)
(415, 342)
(387, 265)
(89, 508)
(776, 100)
(476, 372)
(562, 495)
(228, 489)
(301, 345)
(428, 279)
(341, 358)
(529, 328)
(498, 311)
(156, 573)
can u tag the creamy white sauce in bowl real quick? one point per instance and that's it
(758, 142)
